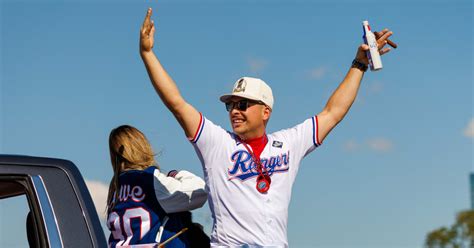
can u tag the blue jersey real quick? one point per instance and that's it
(137, 215)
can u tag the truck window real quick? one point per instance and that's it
(14, 210)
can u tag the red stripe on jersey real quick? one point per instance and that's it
(317, 130)
(199, 127)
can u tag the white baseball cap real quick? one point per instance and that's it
(253, 89)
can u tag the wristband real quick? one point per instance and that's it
(359, 65)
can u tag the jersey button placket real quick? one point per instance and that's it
(268, 220)
(268, 207)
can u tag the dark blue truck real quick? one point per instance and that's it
(59, 211)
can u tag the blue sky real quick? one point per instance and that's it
(394, 169)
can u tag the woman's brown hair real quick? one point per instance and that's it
(129, 150)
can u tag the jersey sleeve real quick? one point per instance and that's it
(184, 192)
(303, 137)
(209, 139)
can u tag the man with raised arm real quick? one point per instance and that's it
(250, 173)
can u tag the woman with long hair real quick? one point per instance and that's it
(145, 206)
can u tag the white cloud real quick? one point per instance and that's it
(256, 65)
(317, 73)
(351, 145)
(98, 191)
(374, 144)
(469, 130)
(374, 87)
(380, 144)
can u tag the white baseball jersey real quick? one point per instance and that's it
(242, 216)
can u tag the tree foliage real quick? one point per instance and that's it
(459, 235)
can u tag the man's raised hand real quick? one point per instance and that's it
(147, 33)
(382, 40)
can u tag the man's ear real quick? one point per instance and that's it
(266, 113)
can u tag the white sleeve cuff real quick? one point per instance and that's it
(184, 192)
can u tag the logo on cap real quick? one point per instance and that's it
(240, 87)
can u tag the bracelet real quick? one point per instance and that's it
(172, 173)
(359, 65)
